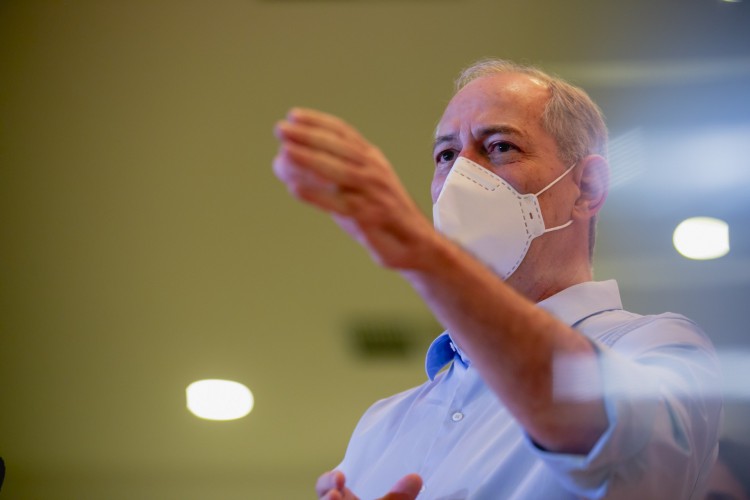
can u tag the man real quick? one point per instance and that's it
(551, 389)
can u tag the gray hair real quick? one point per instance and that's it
(570, 116)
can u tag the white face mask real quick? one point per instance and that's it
(484, 214)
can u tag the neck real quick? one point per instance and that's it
(538, 287)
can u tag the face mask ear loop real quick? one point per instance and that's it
(557, 180)
(550, 229)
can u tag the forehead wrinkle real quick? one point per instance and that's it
(501, 129)
(484, 132)
(443, 138)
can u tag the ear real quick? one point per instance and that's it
(593, 183)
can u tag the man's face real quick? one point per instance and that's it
(495, 121)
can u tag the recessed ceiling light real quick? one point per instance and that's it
(215, 399)
(702, 238)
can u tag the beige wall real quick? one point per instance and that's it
(146, 244)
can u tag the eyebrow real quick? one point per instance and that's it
(483, 132)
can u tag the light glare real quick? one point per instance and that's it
(216, 399)
(573, 380)
(702, 238)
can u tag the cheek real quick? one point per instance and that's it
(557, 207)
(437, 185)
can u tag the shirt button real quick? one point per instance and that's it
(457, 417)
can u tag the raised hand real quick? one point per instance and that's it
(332, 486)
(327, 163)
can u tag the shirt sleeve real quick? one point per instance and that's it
(661, 394)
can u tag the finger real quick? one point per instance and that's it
(406, 488)
(324, 198)
(320, 138)
(325, 166)
(332, 495)
(306, 186)
(325, 120)
(330, 481)
(289, 173)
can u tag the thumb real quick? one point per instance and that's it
(406, 488)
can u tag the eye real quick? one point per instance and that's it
(503, 152)
(501, 147)
(445, 156)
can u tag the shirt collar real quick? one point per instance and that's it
(571, 306)
(578, 302)
(441, 352)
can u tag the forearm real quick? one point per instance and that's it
(513, 344)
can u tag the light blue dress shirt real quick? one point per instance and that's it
(660, 374)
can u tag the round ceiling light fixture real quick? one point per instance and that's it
(702, 238)
(215, 399)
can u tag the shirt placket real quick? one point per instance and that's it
(451, 428)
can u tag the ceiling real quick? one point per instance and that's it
(145, 243)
